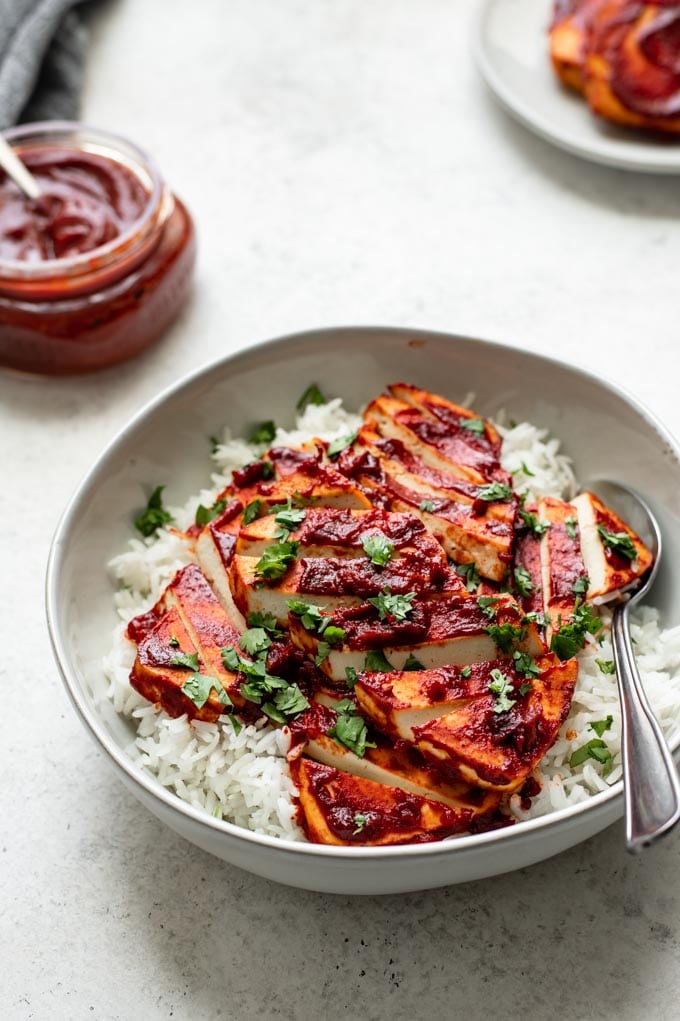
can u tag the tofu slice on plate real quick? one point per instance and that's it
(614, 555)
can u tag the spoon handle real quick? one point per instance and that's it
(651, 784)
(14, 168)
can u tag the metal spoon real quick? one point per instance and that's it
(18, 171)
(651, 783)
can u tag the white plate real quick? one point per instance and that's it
(512, 52)
(606, 431)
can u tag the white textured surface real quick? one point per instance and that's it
(344, 164)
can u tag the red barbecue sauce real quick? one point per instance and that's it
(94, 269)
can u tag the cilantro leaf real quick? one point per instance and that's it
(155, 516)
(536, 527)
(412, 663)
(475, 425)
(266, 620)
(322, 650)
(525, 585)
(337, 446)
(207, 514)
(618, 542)
(487, 605)
(595, 749)
(525, 688)
(601, 726)
(570, 525)
(360, 821)
(333, 635)
(197, 687)
(310, 615)
(351, 677)
(267, 470)
(263, 433)
(466, 673)
(606, 666)
(312, 395)
(236, 724)
(501, 686)
(276, 560)
(254, 640)
(525, 665)
(350, 729)
(395, 606)
(378, 549)
(290, 701)
(187, 660)
(377, 662)
(288, 518)
(174, 642)
(581, 585)
(524, 470)
(426, 505)
(567, 641)
(495, 491)
(505, 635)
(251, 512)
(471, 575)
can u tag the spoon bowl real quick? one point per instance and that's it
(651, 783)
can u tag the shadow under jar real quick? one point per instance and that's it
(97, 267)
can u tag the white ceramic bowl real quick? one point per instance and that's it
(606, 432)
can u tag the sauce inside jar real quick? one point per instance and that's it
(96, 268)
(85, 201)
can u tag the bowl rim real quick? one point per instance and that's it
(148, 784)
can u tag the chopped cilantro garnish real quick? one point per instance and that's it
(267, 470)
(351, 676)
(505, 635)
(536, 527)
(466, 673)
(525, 585)
(197, 687)
(288, 518)
(580, 586)
(412, 663)
(571, 637)
(231, 658)
(322, 650)
(333, 635)
(618, 542)
(595, 749)
(475, 425)
(187, 660)
(312, 395)
(337, 446)
(290, 701)
(215, 442)
(207, 514)
(311, 617)
(263, 433)
(525, 665)
(276, 560)
(155, 516)
(606, 666)
(174, 642)
(570, 525)
(426, 505)
(395, 606)
(251, 511)
(377, 662)
(525, 688)
(266, 620)
(236, 724)
(254, 640)
(524, 470)
(378, 549)
(487, 605)
(495, 491)
(350, 729)
(501, 686)
(470, 573)
(359, 821)
(601, 726)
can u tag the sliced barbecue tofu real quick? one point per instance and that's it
(613, 554)
(449, 630)
(564, 576)
(471, 528)
(179, 655)
(372, 551)
(338, 808)
(298, 483)
(497, 739)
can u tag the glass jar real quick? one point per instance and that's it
(91, 308)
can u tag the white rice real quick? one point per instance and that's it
(244, 777)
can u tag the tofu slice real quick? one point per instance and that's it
(446, 411)
(609, 571)
(394, 767)
(451, 630)
(400, 701)
(528, 558)
(499, 750)
(338, 808)
(562, 566)
(158, 680)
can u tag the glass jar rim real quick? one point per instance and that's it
(126, 152)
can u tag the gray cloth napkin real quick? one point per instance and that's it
(42, 44)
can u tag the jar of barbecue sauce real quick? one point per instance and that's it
(98, 266)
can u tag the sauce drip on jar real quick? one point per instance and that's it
(85, 201)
